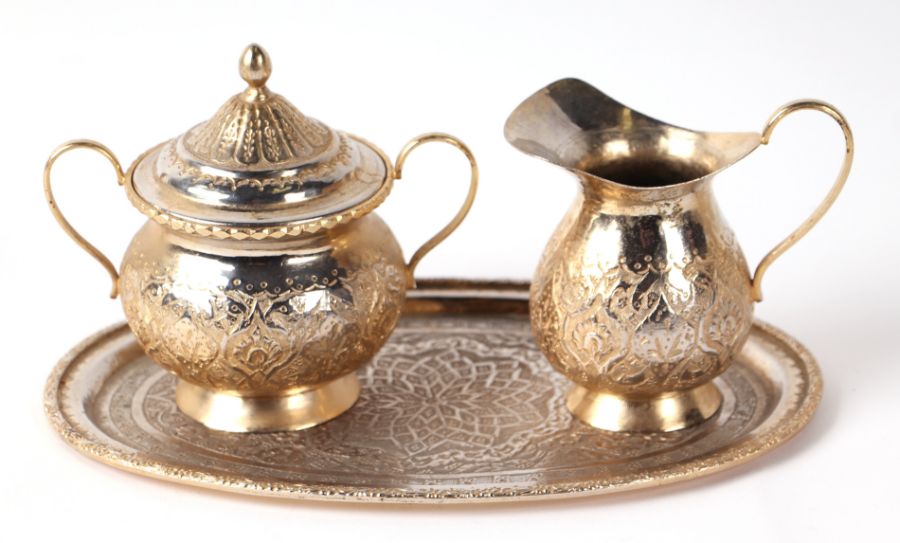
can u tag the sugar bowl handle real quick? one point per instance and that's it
(832, 195)
(460, 215)
(76, 237)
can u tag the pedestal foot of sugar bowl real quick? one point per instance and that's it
(295, 411)
(662, 413)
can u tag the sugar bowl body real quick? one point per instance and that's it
(262, 279)
(264, 323)
(643, 296)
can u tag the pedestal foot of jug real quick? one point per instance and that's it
(663, 413)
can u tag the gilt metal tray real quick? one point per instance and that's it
(459, 406)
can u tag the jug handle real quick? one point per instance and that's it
(832, 195)
(460, 215)
(76, 237)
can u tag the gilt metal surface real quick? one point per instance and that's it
(263, 278)
(643, 294)
(458, 406)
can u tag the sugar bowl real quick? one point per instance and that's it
(263, 279)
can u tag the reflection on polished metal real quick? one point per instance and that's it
(661, 413)
(291, 411)
(459, 406)
(263, 279)
(643, 295)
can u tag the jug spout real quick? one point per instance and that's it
(576, 126)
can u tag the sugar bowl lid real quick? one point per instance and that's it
(259, 168)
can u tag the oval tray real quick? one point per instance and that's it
(459, 406)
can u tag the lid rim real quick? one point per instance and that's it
(261, 230)
(214, 176)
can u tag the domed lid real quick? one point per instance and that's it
(259, 168)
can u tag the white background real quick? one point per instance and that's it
(133, 76)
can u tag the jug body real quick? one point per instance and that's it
(642, 293)
(643, 296)
(264, 319)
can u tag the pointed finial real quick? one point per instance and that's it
(255, 66)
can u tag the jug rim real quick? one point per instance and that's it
(574, 125)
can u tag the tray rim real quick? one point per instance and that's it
(445, 294)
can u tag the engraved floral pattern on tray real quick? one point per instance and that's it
(448, 401)
(109, 401)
